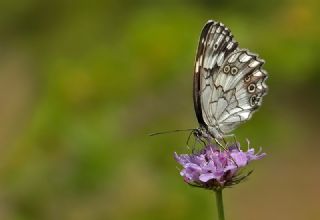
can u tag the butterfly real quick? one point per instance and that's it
(228, 82)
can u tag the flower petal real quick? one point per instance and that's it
(240, 158)
(206, 177)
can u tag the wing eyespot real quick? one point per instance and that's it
(252, 88)
(234, 70)
(226, 69)
(253, 100)
(247, 78)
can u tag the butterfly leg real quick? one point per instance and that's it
(202, 141)
(230, 135)
(218, 142)
(224, 141)
(196, 141)
(189, 136)
(199, 137)
(235, 141)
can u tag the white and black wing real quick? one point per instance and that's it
(238, 89)
(228, 81)
(215, 44)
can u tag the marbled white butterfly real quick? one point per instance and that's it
(228, 83)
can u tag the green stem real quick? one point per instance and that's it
(219, 202)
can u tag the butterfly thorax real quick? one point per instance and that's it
(208, 133)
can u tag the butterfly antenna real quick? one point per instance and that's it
(172, 131)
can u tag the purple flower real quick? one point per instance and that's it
(213, 168)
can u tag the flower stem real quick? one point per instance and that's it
(219, 202)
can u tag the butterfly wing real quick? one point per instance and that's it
(216, 42)
(228, 81)
(197, 71)
(238, 89)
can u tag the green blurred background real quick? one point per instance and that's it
(83, 83)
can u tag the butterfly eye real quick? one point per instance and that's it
(234, 70)
(226, 69)
(251, 88)
(247, 78)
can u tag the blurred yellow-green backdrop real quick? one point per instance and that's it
(82, 83)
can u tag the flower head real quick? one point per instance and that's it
(213, 168)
